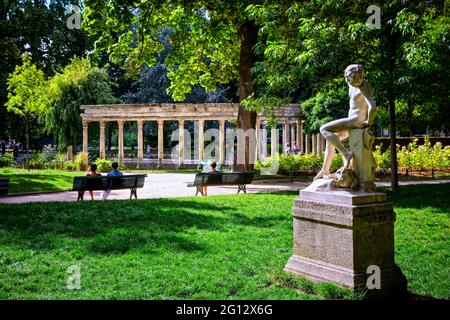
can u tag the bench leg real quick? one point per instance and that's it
(80, 195)
(133, 193)
(199, 189)
(242, 188)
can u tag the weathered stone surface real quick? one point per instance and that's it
(363, 162)
(341, 196)
(175, 111)
(336, 239)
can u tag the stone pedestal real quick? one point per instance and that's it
(339, 234)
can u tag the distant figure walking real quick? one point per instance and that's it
(113, 173)
(92, 173)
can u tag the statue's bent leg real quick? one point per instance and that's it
(330, 151)
(330, 132)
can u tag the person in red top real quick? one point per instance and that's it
(92, 173)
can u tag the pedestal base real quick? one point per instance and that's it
(339, 236)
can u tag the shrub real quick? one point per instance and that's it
(103, 165)
(69, 165)
(80, 161)
(35, 162)
(48, 154)
(7, 160)
(59, 160)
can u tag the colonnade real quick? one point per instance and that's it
(291, 132)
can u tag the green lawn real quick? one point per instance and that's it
(219, 247)
(22, 181)
(38, 180)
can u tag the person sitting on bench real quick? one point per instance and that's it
(113, 173)
(92, 173)
(212, 169)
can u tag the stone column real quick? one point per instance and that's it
(102, 140)
(258, 139)
(120, 153)
(180, 143)
(308, 143)
(293, 138)
(274, 141)
(221, 141)
(85, 136)
(313, 143)
(319, 143)
(300, 134)
(264, 143)
(160, 143)
(285, 134)
(201, 140)
(140, 126)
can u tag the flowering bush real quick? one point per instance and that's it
(414, 157)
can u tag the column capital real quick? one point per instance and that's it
(102, 123)
(120, 122)
(85, 123)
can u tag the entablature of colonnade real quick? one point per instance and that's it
(177, 111)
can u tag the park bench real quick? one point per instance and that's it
(4, 186)
(240, 179)
(102, 183)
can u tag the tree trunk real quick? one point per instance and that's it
(392, 47)
(27, 138)
(248, 36)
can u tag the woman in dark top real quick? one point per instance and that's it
(92, 173)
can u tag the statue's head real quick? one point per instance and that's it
(354, 75)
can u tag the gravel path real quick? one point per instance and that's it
(172, 185)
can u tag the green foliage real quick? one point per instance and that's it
(204, 39)
(69, 165)
(307, 46)
(299, 163)
(324, 107)
(48, 154)
(416, 157)
(36, 162)
(7, 160)
(79, 83)
(26, 95)
(103, 165)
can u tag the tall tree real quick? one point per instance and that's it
(308, 45)
(79, 83)
(212, 42)
(26, 94)
(37, 27)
